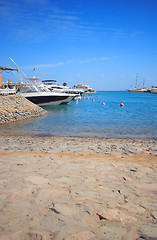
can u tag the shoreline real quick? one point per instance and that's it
(66, 188)
(7, 133)
(92, 145)
(74, 136)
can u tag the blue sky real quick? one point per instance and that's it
(103, 43)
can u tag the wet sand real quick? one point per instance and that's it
(77, 188)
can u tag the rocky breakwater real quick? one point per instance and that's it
(15, 107)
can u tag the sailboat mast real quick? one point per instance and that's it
(143, 82)
(136, 80)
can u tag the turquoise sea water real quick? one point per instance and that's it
(138, 117)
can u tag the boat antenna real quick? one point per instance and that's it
(18, 68)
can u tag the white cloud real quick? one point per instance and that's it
(25, 18)
(46, 65)
(42, 18)
(68, 62)
(50, 65)
(94, 59)
(65, 17)
(104, 58)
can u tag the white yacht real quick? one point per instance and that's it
(55, 87)
(84, 88)
(38, 93)
(8, 90)
(41, 93)
(139, 90)
(153, 90)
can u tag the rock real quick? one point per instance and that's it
(53, 224)
(15, 107)
(134, 208)
(4, 237)
(80, 236)
(111, 232)
(148, 232)
(31, 236)
(133, 170)
(147, 186)
(37, 180)
(53, 193)
(116, 215)
(154, 214)
(74, 212)
(3, 197)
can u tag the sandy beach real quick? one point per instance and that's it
(77, 188)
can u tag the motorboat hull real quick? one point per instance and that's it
(45, 99)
